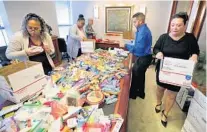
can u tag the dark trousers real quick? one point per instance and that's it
(79, 52)
(138, 76)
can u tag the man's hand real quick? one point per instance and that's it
(159, 55)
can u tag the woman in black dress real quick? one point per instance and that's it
(176, 44)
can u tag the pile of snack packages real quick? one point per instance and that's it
(73, 98)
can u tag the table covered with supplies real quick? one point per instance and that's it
(88, 94)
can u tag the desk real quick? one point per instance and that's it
(106, 45)
(58, 57)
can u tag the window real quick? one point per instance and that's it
(3, 36)
(63, 17)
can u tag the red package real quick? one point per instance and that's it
(48, 103)
(60, 95)
(98, 40)
(96, 127)
(58, 110)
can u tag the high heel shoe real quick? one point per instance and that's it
(164, 123)
(158, 110)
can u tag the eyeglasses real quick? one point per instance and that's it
(36, 29)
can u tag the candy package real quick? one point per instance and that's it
(9, 125)
(58, 110)
(94, 127)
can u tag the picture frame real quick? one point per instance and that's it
(118, 19)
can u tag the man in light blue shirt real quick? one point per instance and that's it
(142, 50)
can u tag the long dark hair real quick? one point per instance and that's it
(33, 16)
(182, 15)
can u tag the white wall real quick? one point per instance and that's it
(192, 16)
(4, 17)
(157, 15)
(202, 38)
(16, 10)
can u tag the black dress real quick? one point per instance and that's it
(182, 49)
(41, 58)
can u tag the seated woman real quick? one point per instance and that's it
(76, 35)
(32, 43)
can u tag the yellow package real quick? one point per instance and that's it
(11, 114)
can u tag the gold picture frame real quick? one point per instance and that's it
(118, 19)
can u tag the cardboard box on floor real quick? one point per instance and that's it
(200, 98)
(196, 119)
(189, 127)
(184, 97)
(18, 82)
(197, 115)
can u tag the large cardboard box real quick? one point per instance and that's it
(197, 116)
(24, 93)
(184, 97)
(188, 127)
(88, 46)
(177, 72)
(21, 80)
(200, 98)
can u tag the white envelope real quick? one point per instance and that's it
(177, 72)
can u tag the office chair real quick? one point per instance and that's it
(63, 48)
(3, 59)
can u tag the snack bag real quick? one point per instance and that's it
(58, 110)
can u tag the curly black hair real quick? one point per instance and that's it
(33, 16)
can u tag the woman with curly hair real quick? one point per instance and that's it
(32, 43)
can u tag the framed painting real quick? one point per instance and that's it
(117, 19)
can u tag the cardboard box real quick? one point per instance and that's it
(88, 46)
(188, 127)
(21, 74)
(18, 81)
(200, 98)
(183, 129)
(24, 93)
(184, 97)
(176, 71)
(197, 116)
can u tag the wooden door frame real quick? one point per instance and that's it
(199, 21)
(174, 8)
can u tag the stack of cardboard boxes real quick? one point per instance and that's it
(196, 118)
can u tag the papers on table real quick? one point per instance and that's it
(87, 46)
(177, 72)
